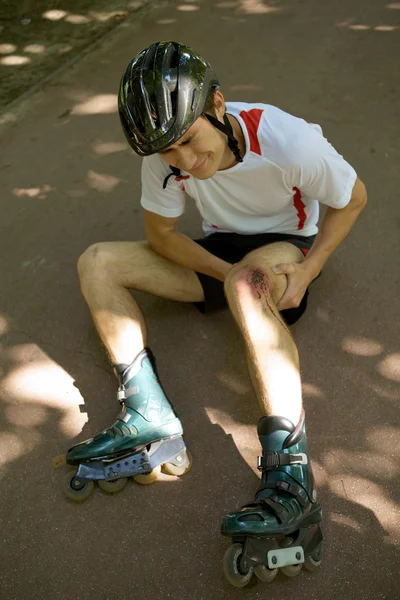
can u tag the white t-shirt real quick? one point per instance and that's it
(287, 169)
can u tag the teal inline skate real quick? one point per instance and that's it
(280, 530)
(145, 438)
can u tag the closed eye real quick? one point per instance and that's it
(185, 143)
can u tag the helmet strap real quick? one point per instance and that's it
(228, 131)
(225, 128)
(174, 171)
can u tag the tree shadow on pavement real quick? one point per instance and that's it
(69, 182)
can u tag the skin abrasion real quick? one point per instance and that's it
(259, 285)
(258, 281)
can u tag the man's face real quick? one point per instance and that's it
(200, 151)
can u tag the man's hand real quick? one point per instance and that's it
(298, 280)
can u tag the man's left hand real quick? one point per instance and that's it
(298, 280)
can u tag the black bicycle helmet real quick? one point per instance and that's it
(162, 93)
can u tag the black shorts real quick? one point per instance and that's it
(232, 247)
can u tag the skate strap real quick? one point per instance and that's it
(295, 490)
(271, 460)
(272, 503)
(276, 507)
(124, 392)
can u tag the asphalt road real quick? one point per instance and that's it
(68, 180)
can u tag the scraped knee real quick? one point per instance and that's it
(258, 281)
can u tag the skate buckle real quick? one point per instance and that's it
(299, 459)
(284, 557)
(271, 460)
(124, 392)
(121, 394)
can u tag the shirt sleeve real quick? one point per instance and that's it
(168, 202)
(321, 173)
(312, 164)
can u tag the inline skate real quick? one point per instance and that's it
(280, 530)
(145, 438)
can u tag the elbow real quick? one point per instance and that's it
(152, 237)
(359, 197)
(364, 197)
(156, 242)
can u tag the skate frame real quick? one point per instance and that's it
(142, 461)
(268, 550)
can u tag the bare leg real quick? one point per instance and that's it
(108, 270)
(253, 290)
(285, 503)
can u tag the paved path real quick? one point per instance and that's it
(68, 180)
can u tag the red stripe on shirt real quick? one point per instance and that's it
(252, 119)
(299, 206)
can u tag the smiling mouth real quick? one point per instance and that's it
(199, 167)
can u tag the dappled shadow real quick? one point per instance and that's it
(37, 38)
(69, 180)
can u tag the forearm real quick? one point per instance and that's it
(185, 252)
(333, 229)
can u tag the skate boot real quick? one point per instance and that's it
(146, 435)
(280, 529)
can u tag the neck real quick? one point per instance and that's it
(229, 159)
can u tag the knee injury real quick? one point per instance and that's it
(256, 279)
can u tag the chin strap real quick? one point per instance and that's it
(233, 144)
(228, 131)
(178, 176)
(174, 171)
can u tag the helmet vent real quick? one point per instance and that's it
(174, 57)
(162, 92)
(174, 101)
(194, 96)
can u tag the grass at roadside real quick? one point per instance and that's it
(36, 41)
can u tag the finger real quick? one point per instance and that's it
(289, 301)
(284, 302)
(287, 269)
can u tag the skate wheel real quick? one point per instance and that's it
(76, 494)
(237, 569)
(291, 570)
(265, 574)
(313, 561)
(59, 461)
(113, 486)
(179, 470)
(148, 478)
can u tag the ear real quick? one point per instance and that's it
(219, 103)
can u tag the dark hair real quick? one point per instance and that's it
(209, 106)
